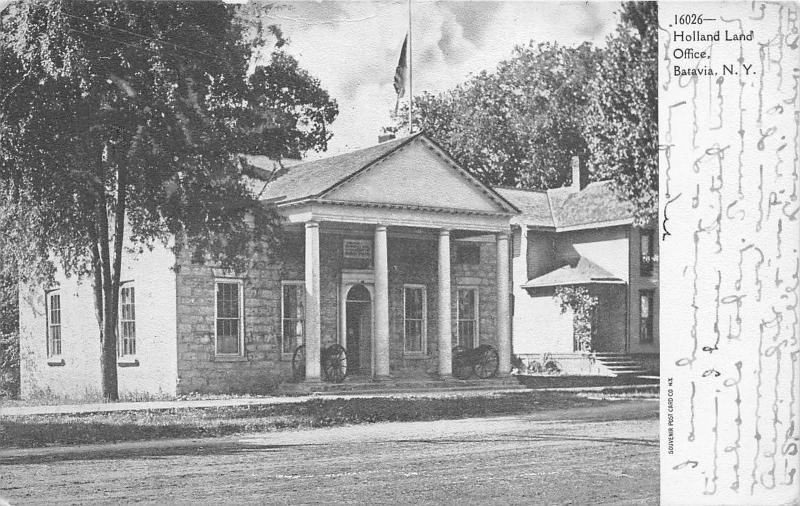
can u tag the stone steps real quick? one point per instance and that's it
(366, 385)
(620, 364)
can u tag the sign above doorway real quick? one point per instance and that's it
(359, 249)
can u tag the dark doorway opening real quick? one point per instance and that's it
(358, 328)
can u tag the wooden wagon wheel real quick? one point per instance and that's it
(299, 363)
(462, 369)
(334, 363)
(487, 363)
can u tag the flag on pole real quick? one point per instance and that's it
(401, 74)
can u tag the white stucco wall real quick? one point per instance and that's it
(541, 326)
(156, 372)
(607, 247)
(538, 324)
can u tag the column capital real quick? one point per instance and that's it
(312, 224)
(380, 227)
(444, 231)
(502, 235)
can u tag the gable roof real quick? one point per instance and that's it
(584, 271)
(309, 179)
(565, 208)
(314, 179)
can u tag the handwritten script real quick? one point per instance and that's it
(729, 77)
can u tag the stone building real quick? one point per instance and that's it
(396, 253)
(399, 254)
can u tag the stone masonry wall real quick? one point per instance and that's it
(262, 366)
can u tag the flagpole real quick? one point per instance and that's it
(410, 76)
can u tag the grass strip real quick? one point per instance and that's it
(46, 430)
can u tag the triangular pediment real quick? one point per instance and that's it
(419, 174)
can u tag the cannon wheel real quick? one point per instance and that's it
(299, 363)
(462, 369)
(334, 363)
(488, 362)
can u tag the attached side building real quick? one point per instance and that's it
(583, 235)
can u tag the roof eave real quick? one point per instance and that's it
(390, 205)
(527, 286)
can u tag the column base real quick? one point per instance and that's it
(382, 377)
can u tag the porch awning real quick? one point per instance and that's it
(580, 272)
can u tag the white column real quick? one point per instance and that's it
(312, 323)
(381, 304)
(503, 315)
(445, 321)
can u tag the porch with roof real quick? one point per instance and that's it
(408, 189)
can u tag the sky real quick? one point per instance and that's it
(353, 47)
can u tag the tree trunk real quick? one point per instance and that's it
(108, 332)
(105, 311)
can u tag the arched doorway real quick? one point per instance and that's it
(358, 330)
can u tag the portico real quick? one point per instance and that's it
(396, 226)
(376, 283)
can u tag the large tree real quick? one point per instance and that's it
(122, 124)
(621, 126)
(520, 124)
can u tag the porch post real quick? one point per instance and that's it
(381, 304)
(445, 323)
(312, 306)
(503, 315)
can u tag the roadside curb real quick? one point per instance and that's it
(647, 387)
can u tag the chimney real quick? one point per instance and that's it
(385, 137)
(580, 176)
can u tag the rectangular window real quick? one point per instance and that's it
(467, 317)
(646, 316)
(53, 324)
(647, 252)
(468, 254)
(415, 319)
(229, 318)
(293, 315)
(127, 321)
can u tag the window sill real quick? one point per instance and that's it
(228, 358)
(127, 362)
(55, 362)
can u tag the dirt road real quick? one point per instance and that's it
(579, 456)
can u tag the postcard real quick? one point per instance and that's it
(399, 252)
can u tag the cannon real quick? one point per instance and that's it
(333, 363)
(483, 361)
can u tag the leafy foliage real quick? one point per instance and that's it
(123, 124)
(621, 127)
(583, 305)
(9, 336)
(519, 125)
